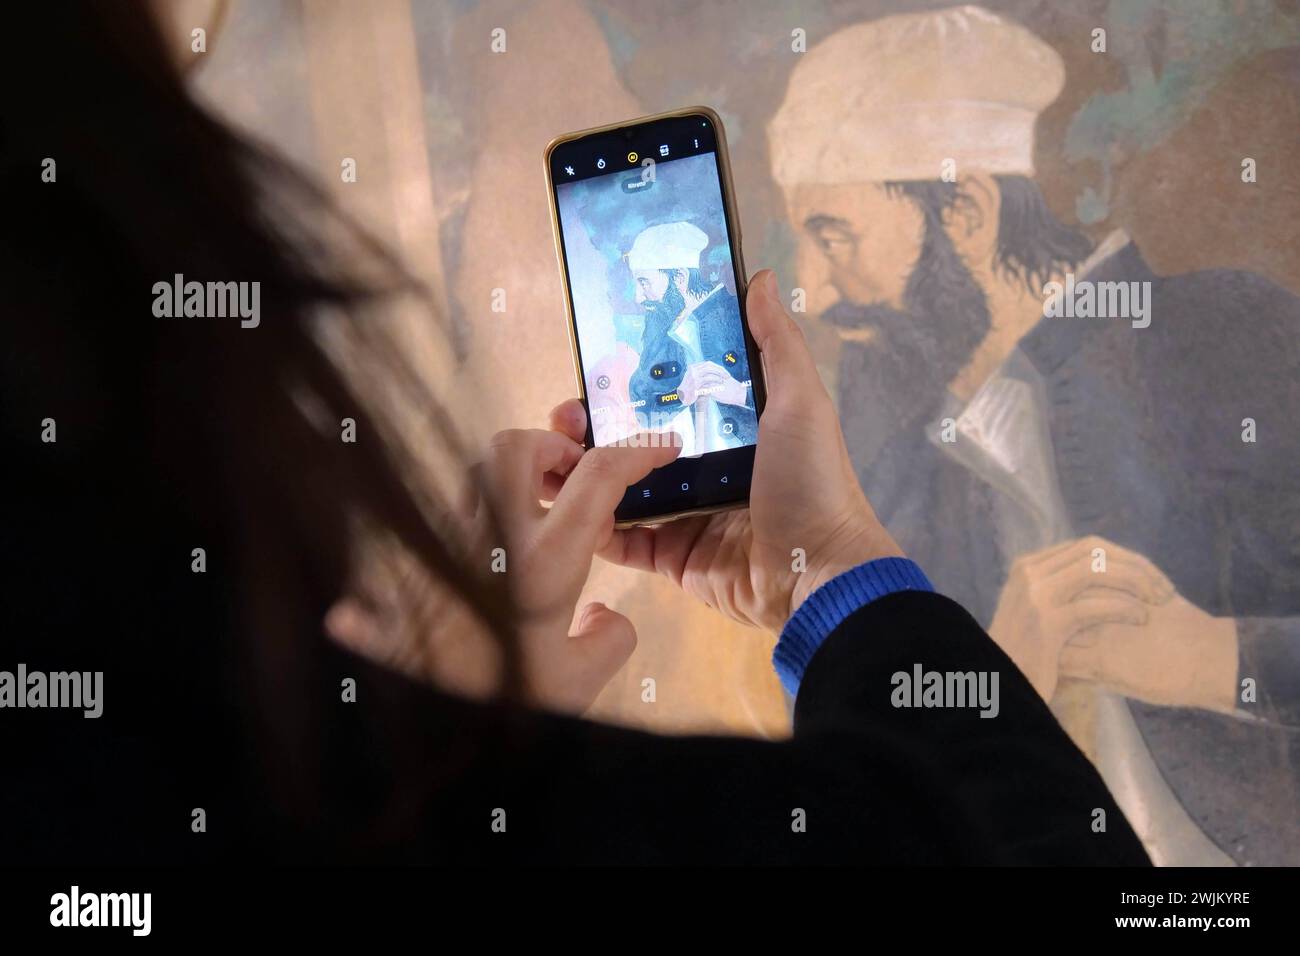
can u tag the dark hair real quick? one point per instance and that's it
(199, 423)
(696, 282)
(941, 286)
(1033, 244)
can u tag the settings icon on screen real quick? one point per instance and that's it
(569, 170)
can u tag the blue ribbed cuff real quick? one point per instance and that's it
(827, 607)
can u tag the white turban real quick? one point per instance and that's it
(672, 245)
(892, 99)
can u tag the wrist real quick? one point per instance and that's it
(849, 547)
(1218, 666)
(829, 605)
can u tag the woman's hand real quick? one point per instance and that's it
(548, 553)
(546, 557)
(807, 520)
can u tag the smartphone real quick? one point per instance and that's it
(648, 242)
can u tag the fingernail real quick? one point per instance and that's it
(589, 611)
(770, 287)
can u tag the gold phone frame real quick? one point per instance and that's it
(735, 235)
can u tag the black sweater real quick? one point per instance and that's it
(860, 781)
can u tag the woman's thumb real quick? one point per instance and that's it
(786, 359)
(605, 638)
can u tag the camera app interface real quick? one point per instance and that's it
(651, 278)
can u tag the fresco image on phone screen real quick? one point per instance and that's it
(659, 328)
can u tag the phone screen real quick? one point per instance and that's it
(649, 257)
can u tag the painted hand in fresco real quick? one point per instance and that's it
(1181, 657)
(808, 519)
(713, 380)
(1054, 595)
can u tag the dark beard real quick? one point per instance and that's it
(666, 309)
(899, 379)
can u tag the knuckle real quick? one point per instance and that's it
(600, 462)
(1037, 593)
(1097, 541)
(506, 439)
